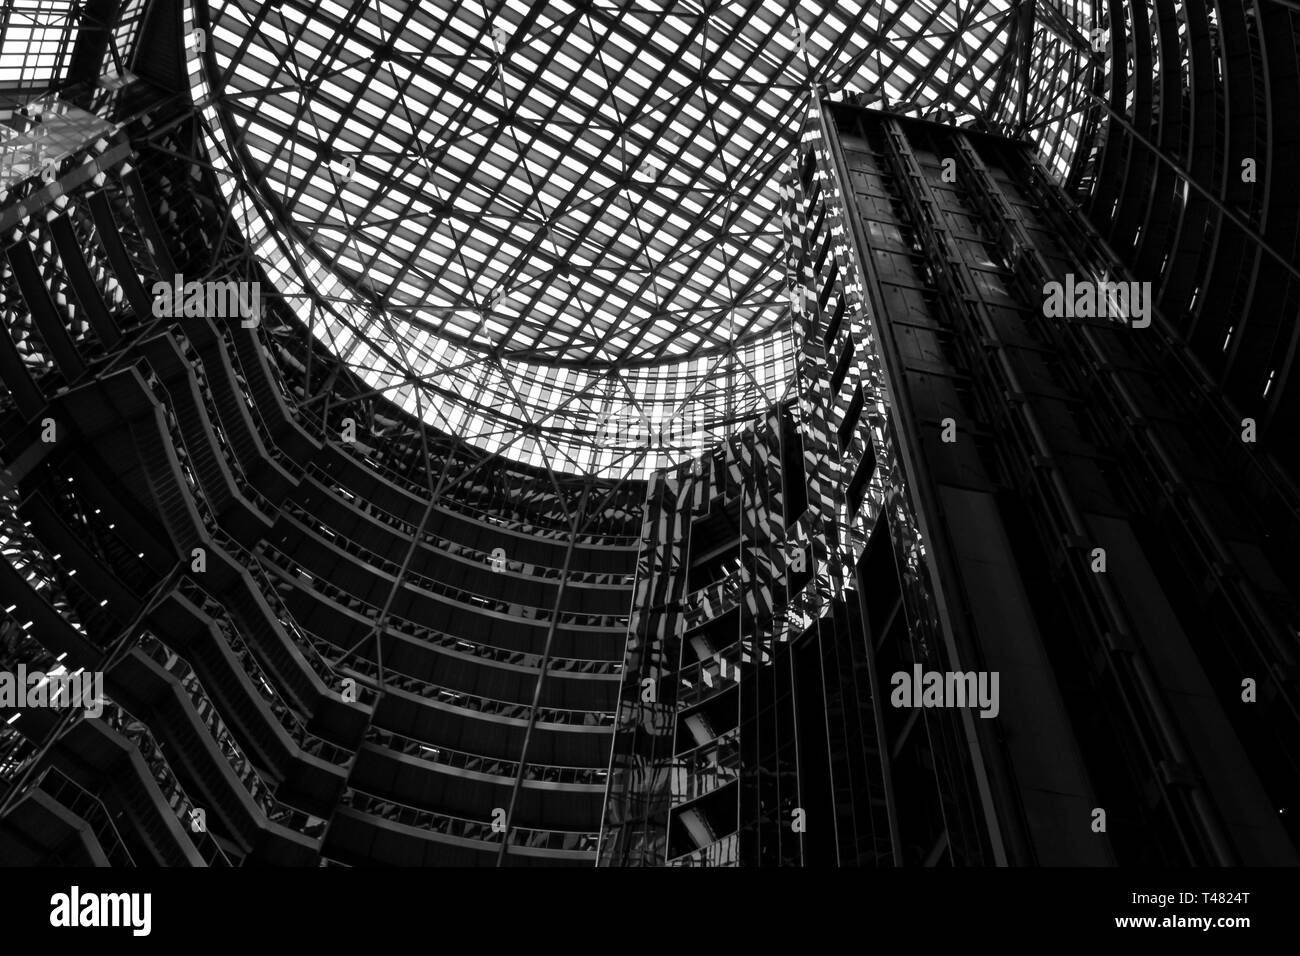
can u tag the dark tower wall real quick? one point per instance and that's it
(1039, 447)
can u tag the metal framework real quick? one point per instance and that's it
(34, 44)
(563, 220)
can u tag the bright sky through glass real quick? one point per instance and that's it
(32, 37)
(528, 221)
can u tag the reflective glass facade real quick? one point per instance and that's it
(979, 491)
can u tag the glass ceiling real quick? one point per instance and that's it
(554, 228)
(34, 40)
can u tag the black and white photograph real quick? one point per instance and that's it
(616, 435)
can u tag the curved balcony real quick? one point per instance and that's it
(287, 717)
(505, 769)
(209, 524)
(348, 619)
(370, 464)
(419, 493)
(441, 547)
(263, 795)
(142, 737)
(478, 703)
(478, 586)
(576, 844)
(524, 633)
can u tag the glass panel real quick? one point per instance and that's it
(576, 208)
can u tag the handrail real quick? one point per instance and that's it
(288, 718)
(457, 506)
(79, 800)
(572, 840)
(721, 852)
(267, 588)
(540, 616)
(409, 628)
(437, 542)
(251, 494)
(260, 423)
(377, 562)
(477, 763)
(249, 560)
(263, 795)
(139, 734)
(395, 680)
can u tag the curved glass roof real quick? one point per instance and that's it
(554, 228)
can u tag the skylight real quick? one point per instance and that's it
(574, 208)
(35, 40)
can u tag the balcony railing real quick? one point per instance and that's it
(457, 505)
(248, 560)
(84, 804)
(384, 564)
(707, 768)
(255, 413)
(311, 649)
(492, 766)
(724, 852)
(702, 679)
(518, 612)
(437, 542)
(250, 494)
(262, 794)
(288, 718)
(395, 680)
(409, 628)
(142, 737)
(469, 829)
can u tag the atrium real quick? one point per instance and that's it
(542, 433)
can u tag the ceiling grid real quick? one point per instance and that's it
(554, 215)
